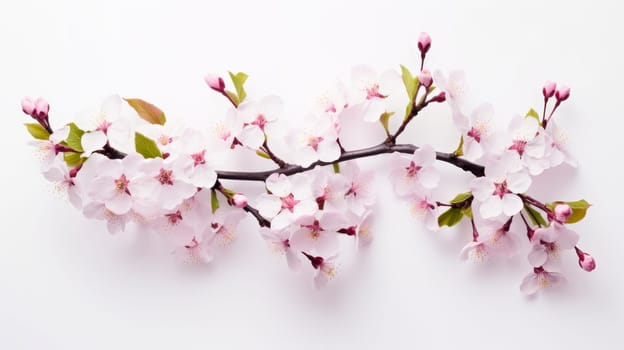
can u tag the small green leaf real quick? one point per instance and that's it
(233, 97)
(238, 80)
(533, 114)
(411, 84)
(147, 111)
(535, 217)
(146, 146)
(263, 154)
(384, 118)
(451, 217)
(73, 159)
(579, 209)
(336, 167)
(214, 201)
(460, 148)
(462, 197)
(75, 137)
(37, 131)
(467, 211)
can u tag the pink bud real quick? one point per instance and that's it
(441, 97)
(239, 200)
(28, 105)
(586, 261)
(41, 109)
(562, 212)
(562, 93)
(425, 78)
(424, 43)
(215, 82)
(549, 89)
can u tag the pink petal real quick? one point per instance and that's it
(279, 185)
(529, 284)
(492, 207)
(538, 256)
(119, 204)
(518, 182)
(512, 204)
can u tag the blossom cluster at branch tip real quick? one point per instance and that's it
(124, 163)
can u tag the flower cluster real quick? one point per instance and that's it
(124, 164)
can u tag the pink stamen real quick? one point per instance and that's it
(475, 134)
(289, 202)
(165, 177)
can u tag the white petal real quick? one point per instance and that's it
(111, 107)
(268, 205)
(292, 258)
(429, 177)
(272, 107)
(119, 204)
(512, 204)
(328, 151)
(279, 184)
(482, 188)
(373, 109)
(518, 182)
(251, 136)
(538, 256)
(529, 284)
(492, 207)
(93, 141)
(282, 220)
(60, 134)
(567, 238)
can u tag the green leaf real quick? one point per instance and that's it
(233, 97)
(214, 201)
(535, 217)
(336, 167)
(451, 217)
(533, 114)
(74, 138)
(384, 118)
(146, 146)
(411, 84)
(467, 211)
(73, 159)
(238, 80)
(37, 131)
(462, 197)
(460, 148)
(263, 154)
(147, 111)
(579, 209)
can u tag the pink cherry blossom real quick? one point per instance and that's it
(167, 182)
(224, 224)
(318, 233)
(540, 279)
(289, 199)
(47, 150)
(529, 142)
(478, 136)
(359, 195)
(199, 250)
(409, 174)
(256, 117)
(549, 89)
(424, 43)
(424, 208)
(549, 242)
(279, 242)
(586, 261)
(326, 268)
(316, 141)
(61, 176)
(370, 92)
(196, 156)
(491, 239)
(454, 85)
(114, 223)
(557, 146)
(329, 188)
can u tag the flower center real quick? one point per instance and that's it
(500, 189)
(165, 177)
(352, 190)
(315, 229)
(518, 146)
(475, 134)
(413, 169)
(289, 202)
(121, 184)
(174, 218)
(313, 141)
(260, 121)
(104, 126)
(198, 158)
(373, 92)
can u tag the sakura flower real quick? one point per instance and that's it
(332, 102)
(361, 228)
(424, 208)
(224, 224)
(529, 143)
(114, 223)
(360, 194)
(288, 200)
(279, 242)
(540, 279)
(417, 171)
(586, 261)
(370, 90)
(47, 150)
(549, 242)
(478, 137)
(492, 239)
(326, 269)
(119, 182)
(199, 250)
(168, 183)
(557, 146)
(174, 227)
(318, 233)
(63, 179)
(195, 156)
(228, 129)
(329, 188)
(498, 190)
(454, 87)
(316, 141)
(256, 117)
(110, 125)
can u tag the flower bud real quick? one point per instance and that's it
(441, 97)
(215, 82)
(425, 78)
(562, 93)
(41, 109)
(562, 212)
(586, 261)
(424, 43)
(239, 200)
(549, 89)
(28, 105)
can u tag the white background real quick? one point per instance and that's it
(66, 283)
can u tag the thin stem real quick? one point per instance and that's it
(275, 158)
(475, 169)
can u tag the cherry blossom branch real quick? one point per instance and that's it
(476, 169)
